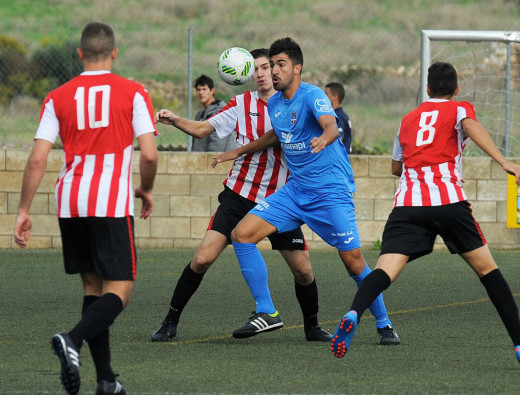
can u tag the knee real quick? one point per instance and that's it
(304, 277)
(239, 236)
(353, 261)
(200, 263)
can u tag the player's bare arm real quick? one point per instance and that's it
(397, 167)
(480, 136)
(34, 170)
(147, 170)
(268, 140)
(329, 135)
(197, 129)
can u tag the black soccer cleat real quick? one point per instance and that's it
(258, 323)
(69, 360)
(165, 333)
(317, 334)
(388, 336)
(106, 388)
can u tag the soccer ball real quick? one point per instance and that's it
(236, 66)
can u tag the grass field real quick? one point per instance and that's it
(452, 339)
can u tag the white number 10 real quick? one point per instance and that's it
(427, 131)
(93, 103)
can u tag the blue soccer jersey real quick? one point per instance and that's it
(295, 122)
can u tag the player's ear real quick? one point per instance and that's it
(80, 53)
(456, 91)
(298, 69)
(428, 92)
(114, 53)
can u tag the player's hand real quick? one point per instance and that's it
(164, 116)
(22, 230)
(224, 157)
(318, 144)
(147, 200)
(512, 169)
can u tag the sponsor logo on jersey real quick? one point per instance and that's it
(277, 114)
(322, 105)
(301, 146)
(254, 114)
(287, 137)
(261, 206)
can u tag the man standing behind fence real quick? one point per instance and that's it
(97, 115)
(205, 88)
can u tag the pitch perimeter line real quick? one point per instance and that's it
(287, 328)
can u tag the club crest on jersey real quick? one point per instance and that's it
(322, 105)
(293, 118)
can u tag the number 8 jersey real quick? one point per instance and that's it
(430, 143)
(97, 116)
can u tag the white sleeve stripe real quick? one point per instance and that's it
(49, 127)
(141, 119)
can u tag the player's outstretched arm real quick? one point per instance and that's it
(480, 136)
(269, 139)
(34, 169)
(197, 129)
(147, 170)
(329, 135)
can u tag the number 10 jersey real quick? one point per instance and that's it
(97, 116)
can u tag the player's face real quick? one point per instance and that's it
(262, 76)
(205, 94)
(282, 71)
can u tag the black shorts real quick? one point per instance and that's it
(101, 245)
(411, 231)
(233, 207)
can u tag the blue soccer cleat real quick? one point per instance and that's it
(344, 334)
(517, 353)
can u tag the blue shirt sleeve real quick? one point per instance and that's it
(319, 103)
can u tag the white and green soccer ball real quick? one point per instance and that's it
(236, 66)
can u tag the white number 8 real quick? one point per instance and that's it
(427, 131)
(92, 103)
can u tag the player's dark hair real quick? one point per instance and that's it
(97, 41)
(260, 53)
(204, 80)
(289, 47)
(442, 79)
(337, 90)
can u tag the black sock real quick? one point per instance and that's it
(502, 298)
(372, 285)
(100, 348)
(187, 284)
(96, 318)
(307, 296)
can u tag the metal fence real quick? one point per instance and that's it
(379, 69)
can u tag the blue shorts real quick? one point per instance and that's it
(329, 214)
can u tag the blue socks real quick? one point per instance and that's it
(254, 271)
(377, 308)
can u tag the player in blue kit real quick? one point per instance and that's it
(318, 191)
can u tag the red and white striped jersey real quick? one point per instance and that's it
(430, 142)
(258, 175)
(97, 115)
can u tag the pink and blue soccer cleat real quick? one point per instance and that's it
(344, 334)
(517, 353)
